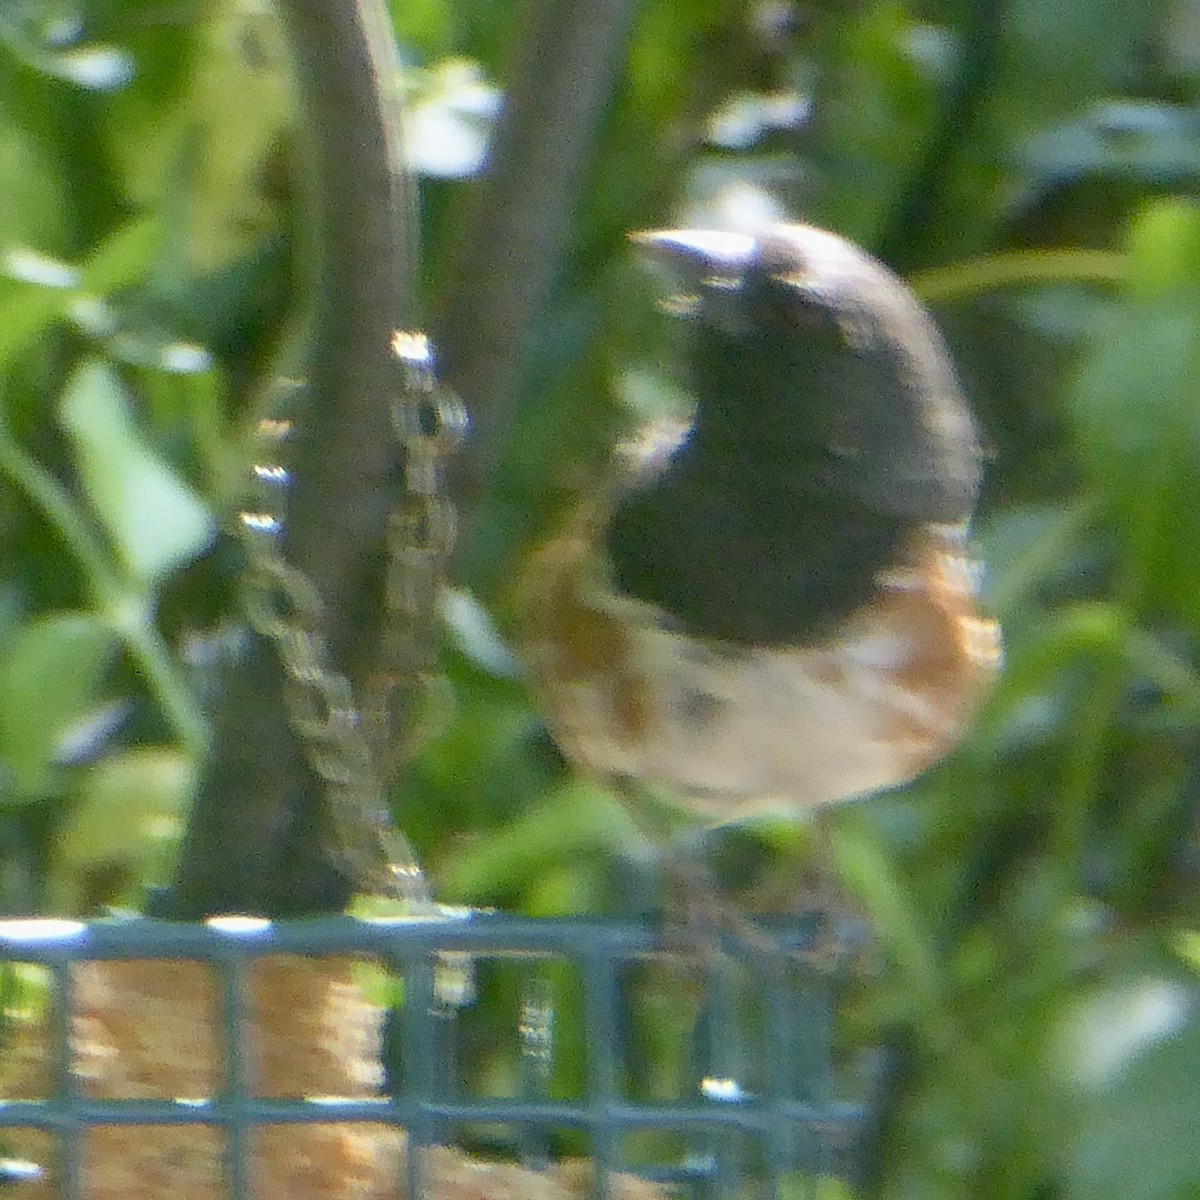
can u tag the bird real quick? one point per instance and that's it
(770, 605)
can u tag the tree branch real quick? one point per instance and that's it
(513, 233)
(257, 838)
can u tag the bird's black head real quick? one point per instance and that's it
(828, 424)
(811, 360)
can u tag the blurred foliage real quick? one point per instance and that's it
(1030, 164)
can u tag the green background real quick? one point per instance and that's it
(1030, 166)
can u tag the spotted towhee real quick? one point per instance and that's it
(771, 607)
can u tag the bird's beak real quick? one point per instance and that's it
(699, 266)
(691, 250)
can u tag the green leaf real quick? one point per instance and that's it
(1049, 69)
(1164, 249)
(576, 817)
(1135, 1052)
(156, 521)
(48, 681)
(128, 806)
(875, 118)
(861, 862)
(1134, 407)
(52, 288)
(96, 67)
(122, 257)
(1136, 139)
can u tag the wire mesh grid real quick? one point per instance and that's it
(755, 1112)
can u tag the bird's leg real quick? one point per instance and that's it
(806, 884)
(795, 904)
(700, 915)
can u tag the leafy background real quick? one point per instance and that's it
(1030, 165)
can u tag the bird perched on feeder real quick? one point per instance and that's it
(771, 607)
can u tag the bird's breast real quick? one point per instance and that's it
(738, 729)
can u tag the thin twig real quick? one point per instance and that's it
(511, 241)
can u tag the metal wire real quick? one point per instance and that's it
(782, 1125)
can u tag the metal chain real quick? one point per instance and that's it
(353, 756)
(405, 698)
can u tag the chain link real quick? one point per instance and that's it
(356, 753)
(405, 698)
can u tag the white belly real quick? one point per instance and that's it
(735, 731)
